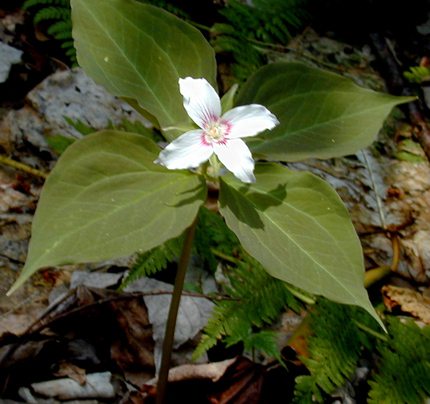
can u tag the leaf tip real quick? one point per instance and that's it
(17, 284)
(371, 310)
(22, 278)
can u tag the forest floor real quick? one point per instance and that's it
(50, 328)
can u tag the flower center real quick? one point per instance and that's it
(216, 131)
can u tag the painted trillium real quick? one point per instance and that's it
(217, 134)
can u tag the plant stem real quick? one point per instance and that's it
(376, 274)
(23, 167)
(173, 313)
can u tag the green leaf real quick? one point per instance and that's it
(139, 51)
(321, 114)
(227, 100)
(297, 227)
(105, 199)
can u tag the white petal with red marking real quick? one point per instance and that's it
(248, 120)
(237, 158)
(201, 101)
(187, 151)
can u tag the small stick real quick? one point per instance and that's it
(22, 167)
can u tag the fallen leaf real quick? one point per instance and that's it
(193, 315)
(235, 381)
(133, 346)
(98, 385)
(407, 300)
(72, 372)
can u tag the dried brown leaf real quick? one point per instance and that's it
(408, 301)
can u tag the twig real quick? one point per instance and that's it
(23, 167)
(122, 296)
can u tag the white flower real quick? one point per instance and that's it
(217, 134)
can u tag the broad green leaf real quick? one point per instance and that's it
(138, 51)
(297, 227)
(105, 199)
(321, 114)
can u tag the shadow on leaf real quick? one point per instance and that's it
(247, 201)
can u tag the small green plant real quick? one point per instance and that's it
(340, 336)
(254, 300)
(153, 261)
(335, 346)
(58, 14)
(403, 367)
(417, 74)
(249, 31)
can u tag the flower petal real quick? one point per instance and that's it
(237, 158)
(201, 101)
(187, 151)
(248, 120)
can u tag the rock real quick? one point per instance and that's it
(8, 57)
(94, 279)
(64, 95)
(74, 95)
(97, 385)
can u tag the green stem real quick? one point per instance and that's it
(173, 313)
(225, 257)
(374, 333)
(23, 167)
(301, 296)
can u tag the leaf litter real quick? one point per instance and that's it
(92, 332)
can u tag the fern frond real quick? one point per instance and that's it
(251, 26)
(255, 300)
(61, 30)
(403, 374)
(52, 13)
(417, 74)
(264, 341)
(212, 234)
(67, 44)
(334, 349)
(34, 3)
(58, 14)
(153, 261)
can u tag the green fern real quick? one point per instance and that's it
(153, 261)
(58, 14)
(335, 347)
(248, 30)
(52, 13)
(255, 300)
(213, 237)
(33, 3)
(61, 30)
(211, 234)
(403, 374)
(417, 74)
